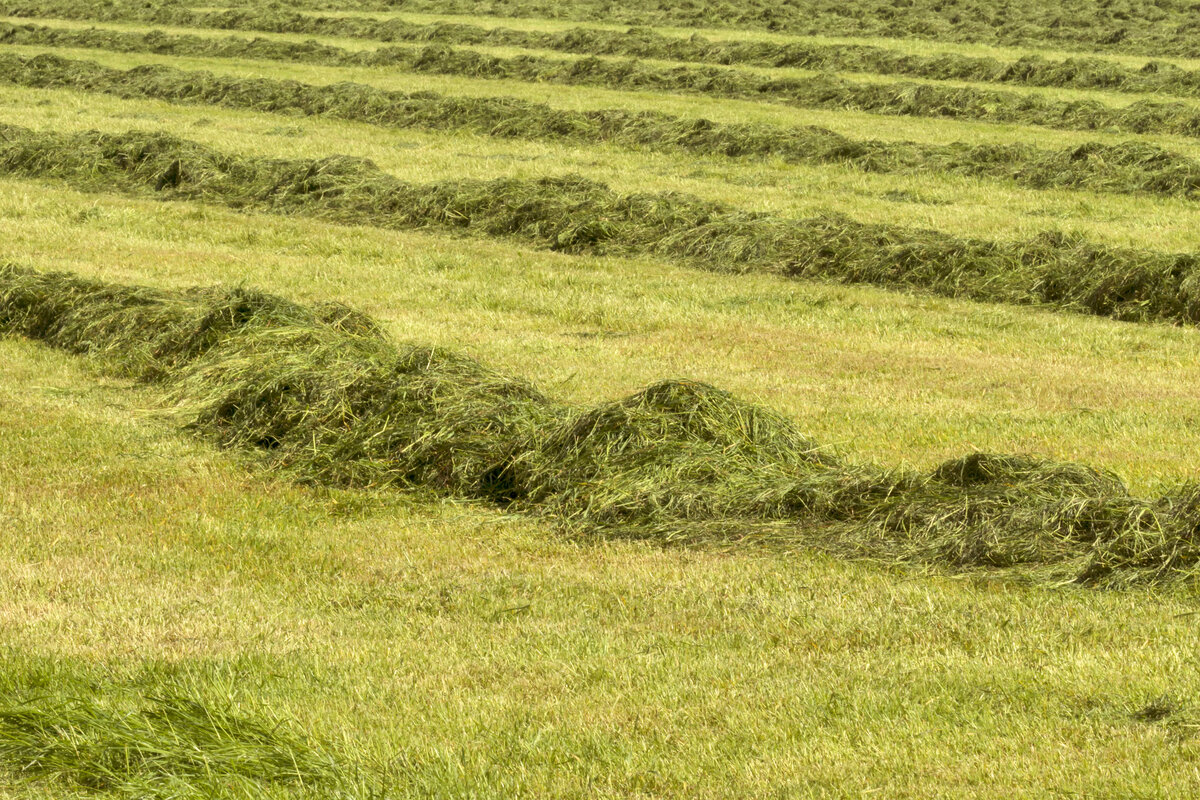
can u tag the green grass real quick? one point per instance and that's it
(476, 654)
(429, 647)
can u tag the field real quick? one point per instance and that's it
(513, 398)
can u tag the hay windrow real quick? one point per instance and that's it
(573, 215)
(822, 91)
(677, 461)
(1080, 72)
(1160, 29)
(1121, 169)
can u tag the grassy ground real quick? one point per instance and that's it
(449, 650)
(463, 653)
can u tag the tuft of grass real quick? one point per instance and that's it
(677, 461)
(98, 736)
(97, 746)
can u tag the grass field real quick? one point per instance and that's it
(258, 544)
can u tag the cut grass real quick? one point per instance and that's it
(897, 378)
(1120, 169)
(331, 402)
(1161, 29)
(1028, 70)
(821, 91)
(479, 656)
(573, 215)
(484, 657)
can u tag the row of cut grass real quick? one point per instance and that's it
(327, 398)
(897, 378)
(1162, 29)
(931, 99)
(1028, 70)
(1097, 166)
(574, 215)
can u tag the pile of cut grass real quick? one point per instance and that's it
(321, 395)
(1080, 72)
(822, 91)
(574, 215)
(1128, 168)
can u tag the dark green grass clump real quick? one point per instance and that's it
(820, 91)
(574, 215)
(1123, 169)
(1079, 72)
(95, 737)
(334, 403)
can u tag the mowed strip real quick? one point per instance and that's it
(980, 209)
(575, 215)
(895, 378)
(847, 121)
(1092, 27)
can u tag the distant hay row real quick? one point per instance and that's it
(1159, 29)
(820, 91)
(323, 396)
(574, 215)
(1129, 168)
(1032, 70)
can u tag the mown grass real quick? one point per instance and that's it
(847, 121)
(1086, 25)
(962, 375)
(480, 656)
(1122, 169)
(122, 16)
(571, 214)
(1030, 69)
(806, 90)
(445, 650)
(330, 401)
